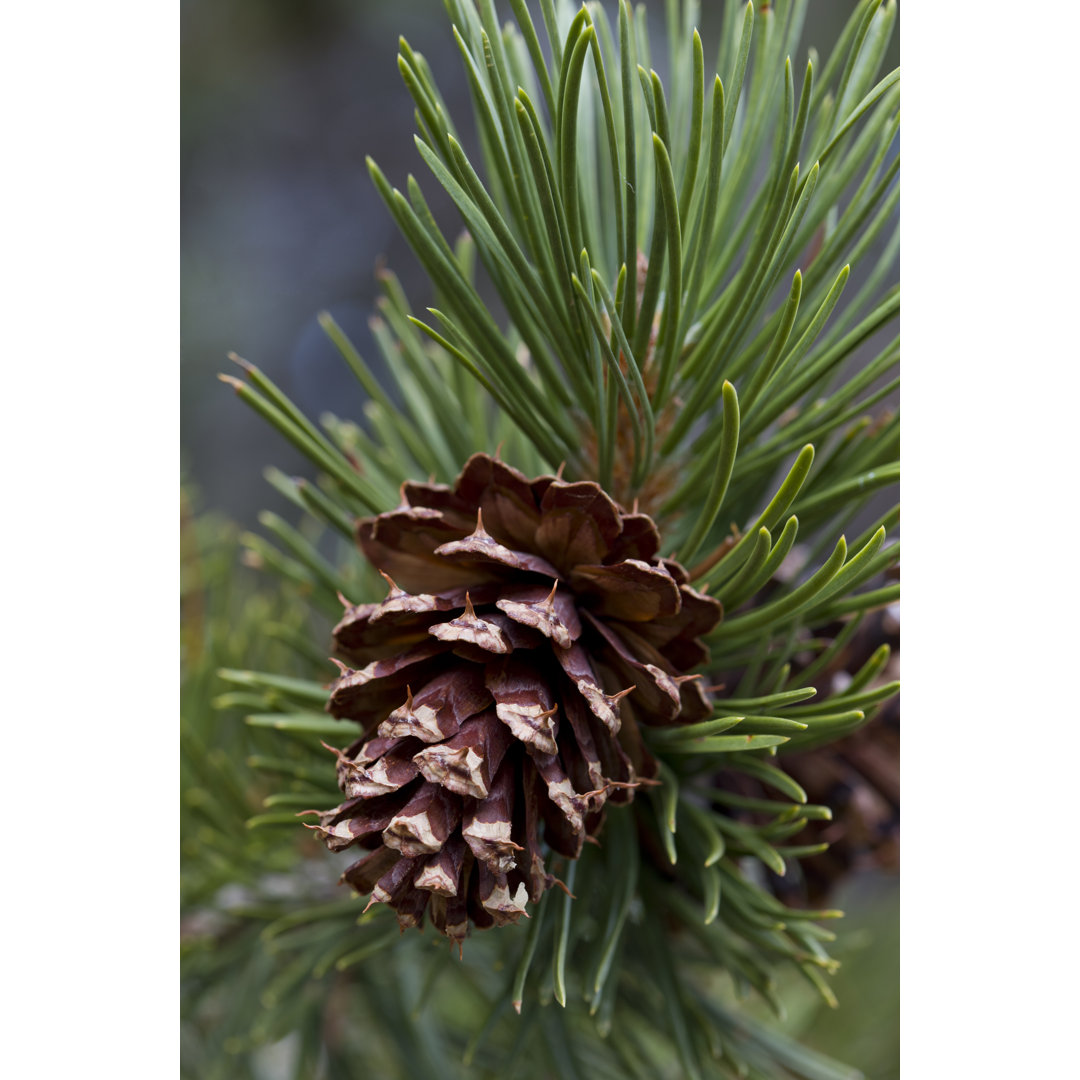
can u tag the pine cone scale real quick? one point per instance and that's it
(425, 823)
(391, 772)
(488, 824)
(553, 614)
(487, 555)
(441, 873)
(467, 763)
(631, 590)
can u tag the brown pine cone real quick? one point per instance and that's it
(529, 629)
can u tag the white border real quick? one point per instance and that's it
(90, 436)
(989, 228)
(90, 441)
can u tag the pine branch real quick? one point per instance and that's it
(673, 264)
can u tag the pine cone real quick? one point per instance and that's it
(529, 629)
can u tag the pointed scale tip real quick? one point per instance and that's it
(395, 589)
(549, 603)
(624, 785)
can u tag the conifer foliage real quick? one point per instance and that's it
(640, 477)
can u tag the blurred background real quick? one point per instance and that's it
(281, 102)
